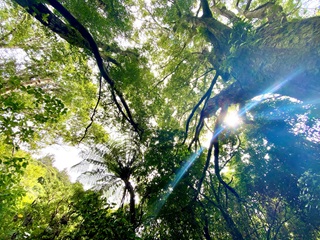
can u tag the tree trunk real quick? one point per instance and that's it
(279, 58)
(132, 203)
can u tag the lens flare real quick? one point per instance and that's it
(269, 91)
(169, 189)
(232, 119)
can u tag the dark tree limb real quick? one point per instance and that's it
(48, 19)
(78, 35)
(132, 204)
(197, 131)
(206, 12)
(85, 35)
(248, 5)
(94, 48)
(231, 225)
(215, 143)
(205, 169)
(67, 32)
(205, 98)
(206, 230)
(235, 151)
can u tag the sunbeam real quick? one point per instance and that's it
(175, 181)
(169, 189)
(268, 91)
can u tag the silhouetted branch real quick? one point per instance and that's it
(94, 110)
(205, 98)
(94, 48)
(76, 34)
(206, 9)
(215, 143)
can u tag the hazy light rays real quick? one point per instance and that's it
(211, 136)
(169, 189)
(268, 91)
(315, 101)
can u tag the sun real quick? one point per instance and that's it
(232, 119)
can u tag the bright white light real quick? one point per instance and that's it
(207, 139)
(232, 119)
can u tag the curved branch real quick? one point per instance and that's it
(170, 73)
(86, 35)
(94, 111)
(236, 150)
(215, 143)
(204, 97)
(231, 225)
(94, 49)
(77, 35)
(271, 10)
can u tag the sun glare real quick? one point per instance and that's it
(232, 119)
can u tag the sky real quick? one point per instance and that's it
(65, 157)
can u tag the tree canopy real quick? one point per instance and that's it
(148, 87)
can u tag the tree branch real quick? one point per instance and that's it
(218, 29)
(94, 111)
(215, 143)
(204, 97)
(270, 10)
(231, 225)
(206, 9)
(94, 49)
(48, 19)
(226, 13)
(248, 5)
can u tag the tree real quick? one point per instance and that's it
(112, 165)
(186, 64)
(263, 46)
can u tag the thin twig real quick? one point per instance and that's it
(94, 110)
(233, 153)
(169, 74)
